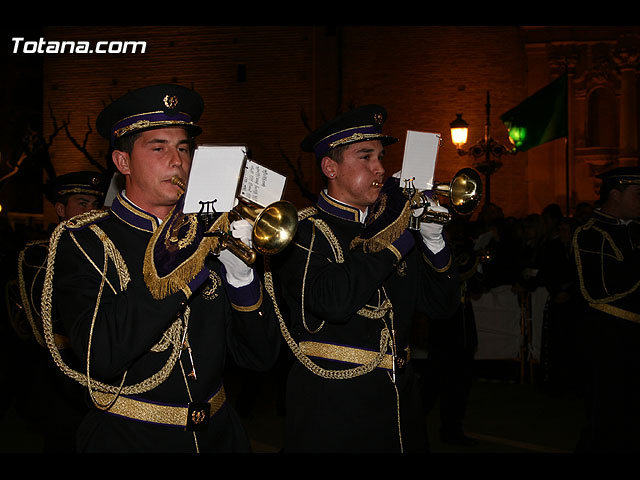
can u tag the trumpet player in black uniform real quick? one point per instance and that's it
(350, 282)
(150, 307)
(52, 400)
(607, 254)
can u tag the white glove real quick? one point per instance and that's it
(242, 230)
(239, 273)
(432, 232)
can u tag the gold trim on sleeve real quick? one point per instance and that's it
(616, 311)
(249, 308)
(439, 270)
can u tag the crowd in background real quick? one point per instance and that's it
(527, 253)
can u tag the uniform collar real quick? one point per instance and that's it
(610, 219)
(133, 215)
(338, 209)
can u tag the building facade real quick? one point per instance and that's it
(265, 86)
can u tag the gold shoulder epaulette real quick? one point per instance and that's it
(306, 212)
(86, 219)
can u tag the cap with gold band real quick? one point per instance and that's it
(357, 125)
(156, 106)
(83, 183)
(621, 175)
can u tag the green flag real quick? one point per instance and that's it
(540, 118)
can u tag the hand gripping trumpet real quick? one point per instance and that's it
(464, 193)
(274, 226)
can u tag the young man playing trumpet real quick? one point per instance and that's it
(148, 309)
(351, 281)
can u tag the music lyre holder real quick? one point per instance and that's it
(207, 216)
(409, 190)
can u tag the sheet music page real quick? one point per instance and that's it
(261, 185)
(215, 173)
(420, 155)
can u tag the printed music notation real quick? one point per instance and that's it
(261, 185)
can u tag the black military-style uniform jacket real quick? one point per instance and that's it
(32, 263)
(607, 254)
(55, 399)
(132, 339)
(336, 401)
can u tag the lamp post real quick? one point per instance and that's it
(487, 152)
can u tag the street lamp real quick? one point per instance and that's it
(487, 152)
(459, 131)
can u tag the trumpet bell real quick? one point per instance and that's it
(465, 191)
(274, 227)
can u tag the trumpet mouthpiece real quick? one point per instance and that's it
(176, 180)
(376, 185)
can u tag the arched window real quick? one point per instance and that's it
(602, 122)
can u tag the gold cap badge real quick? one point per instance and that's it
(170, 101)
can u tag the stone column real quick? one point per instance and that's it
(627, 60)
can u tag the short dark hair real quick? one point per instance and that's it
(125, 143)
(63, 199)
(335, 154)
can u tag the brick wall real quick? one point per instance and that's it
(423, 75)
(261, 108)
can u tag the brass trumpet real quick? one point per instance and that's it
(274, 226)
(464, 193)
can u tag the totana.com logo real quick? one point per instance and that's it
(20, 45)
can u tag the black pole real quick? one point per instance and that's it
(487, 198)
(566, 161)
